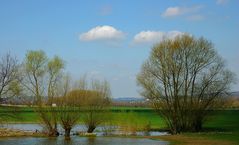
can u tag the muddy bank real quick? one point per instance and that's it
(6, 132)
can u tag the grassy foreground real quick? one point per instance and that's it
(221, 128)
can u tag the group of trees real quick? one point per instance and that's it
(56, 99)
(184, 78)
(93, 101)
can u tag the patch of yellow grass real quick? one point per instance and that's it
(5, 132)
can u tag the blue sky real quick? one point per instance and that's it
(111, 39)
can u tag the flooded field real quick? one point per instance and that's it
(100, 131)
(101, 139)
(80, 141)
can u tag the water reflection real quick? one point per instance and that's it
(91, 140)
(100, 131)
(80, 141)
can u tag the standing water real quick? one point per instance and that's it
(76, 140)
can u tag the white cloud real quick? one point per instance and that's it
(148, 36)
(102, 33)
(173, 34)
(221, 2)
(177, 11)
(154, 36)
(173, 11)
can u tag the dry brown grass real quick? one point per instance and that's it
(231, 102)
(6, 132)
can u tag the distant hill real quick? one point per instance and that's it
(128, 99)
(130, 102)
(132, 99)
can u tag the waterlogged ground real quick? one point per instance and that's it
(77, 140)
(100, 131)
(80, 141)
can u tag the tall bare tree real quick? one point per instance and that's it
(69, 113)
(9, 76)
(9, 83)
(68, 105)
(95, 101)
(183, 78)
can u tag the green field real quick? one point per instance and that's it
(140, 116)
(222, 124)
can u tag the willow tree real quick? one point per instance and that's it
(54, 68)
(184, 78)
(96, 102)
(69, 106)
(88, 102)
(42, 76)
(34, 70)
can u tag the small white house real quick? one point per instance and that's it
(53, 104)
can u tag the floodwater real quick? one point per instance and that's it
(77, 140)
(79, 128)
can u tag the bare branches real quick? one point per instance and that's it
(9, 76)
(97, 103)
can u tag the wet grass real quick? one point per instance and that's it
(222, 128)
(223, 125)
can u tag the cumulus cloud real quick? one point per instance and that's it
(148, 36)
(173, 34)
(102, 33)
(177, 11)
(154, 36)
(173, 11)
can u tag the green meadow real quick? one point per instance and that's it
(221, 125)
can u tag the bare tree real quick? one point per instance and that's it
(69, 113)
(9, 77)
(96, 102)
(183, 78)
(9, 84)
(92, 102)
(68, 105)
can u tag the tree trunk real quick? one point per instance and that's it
(54, 133)
(198, 125)
(91, 128)
(67, 133)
